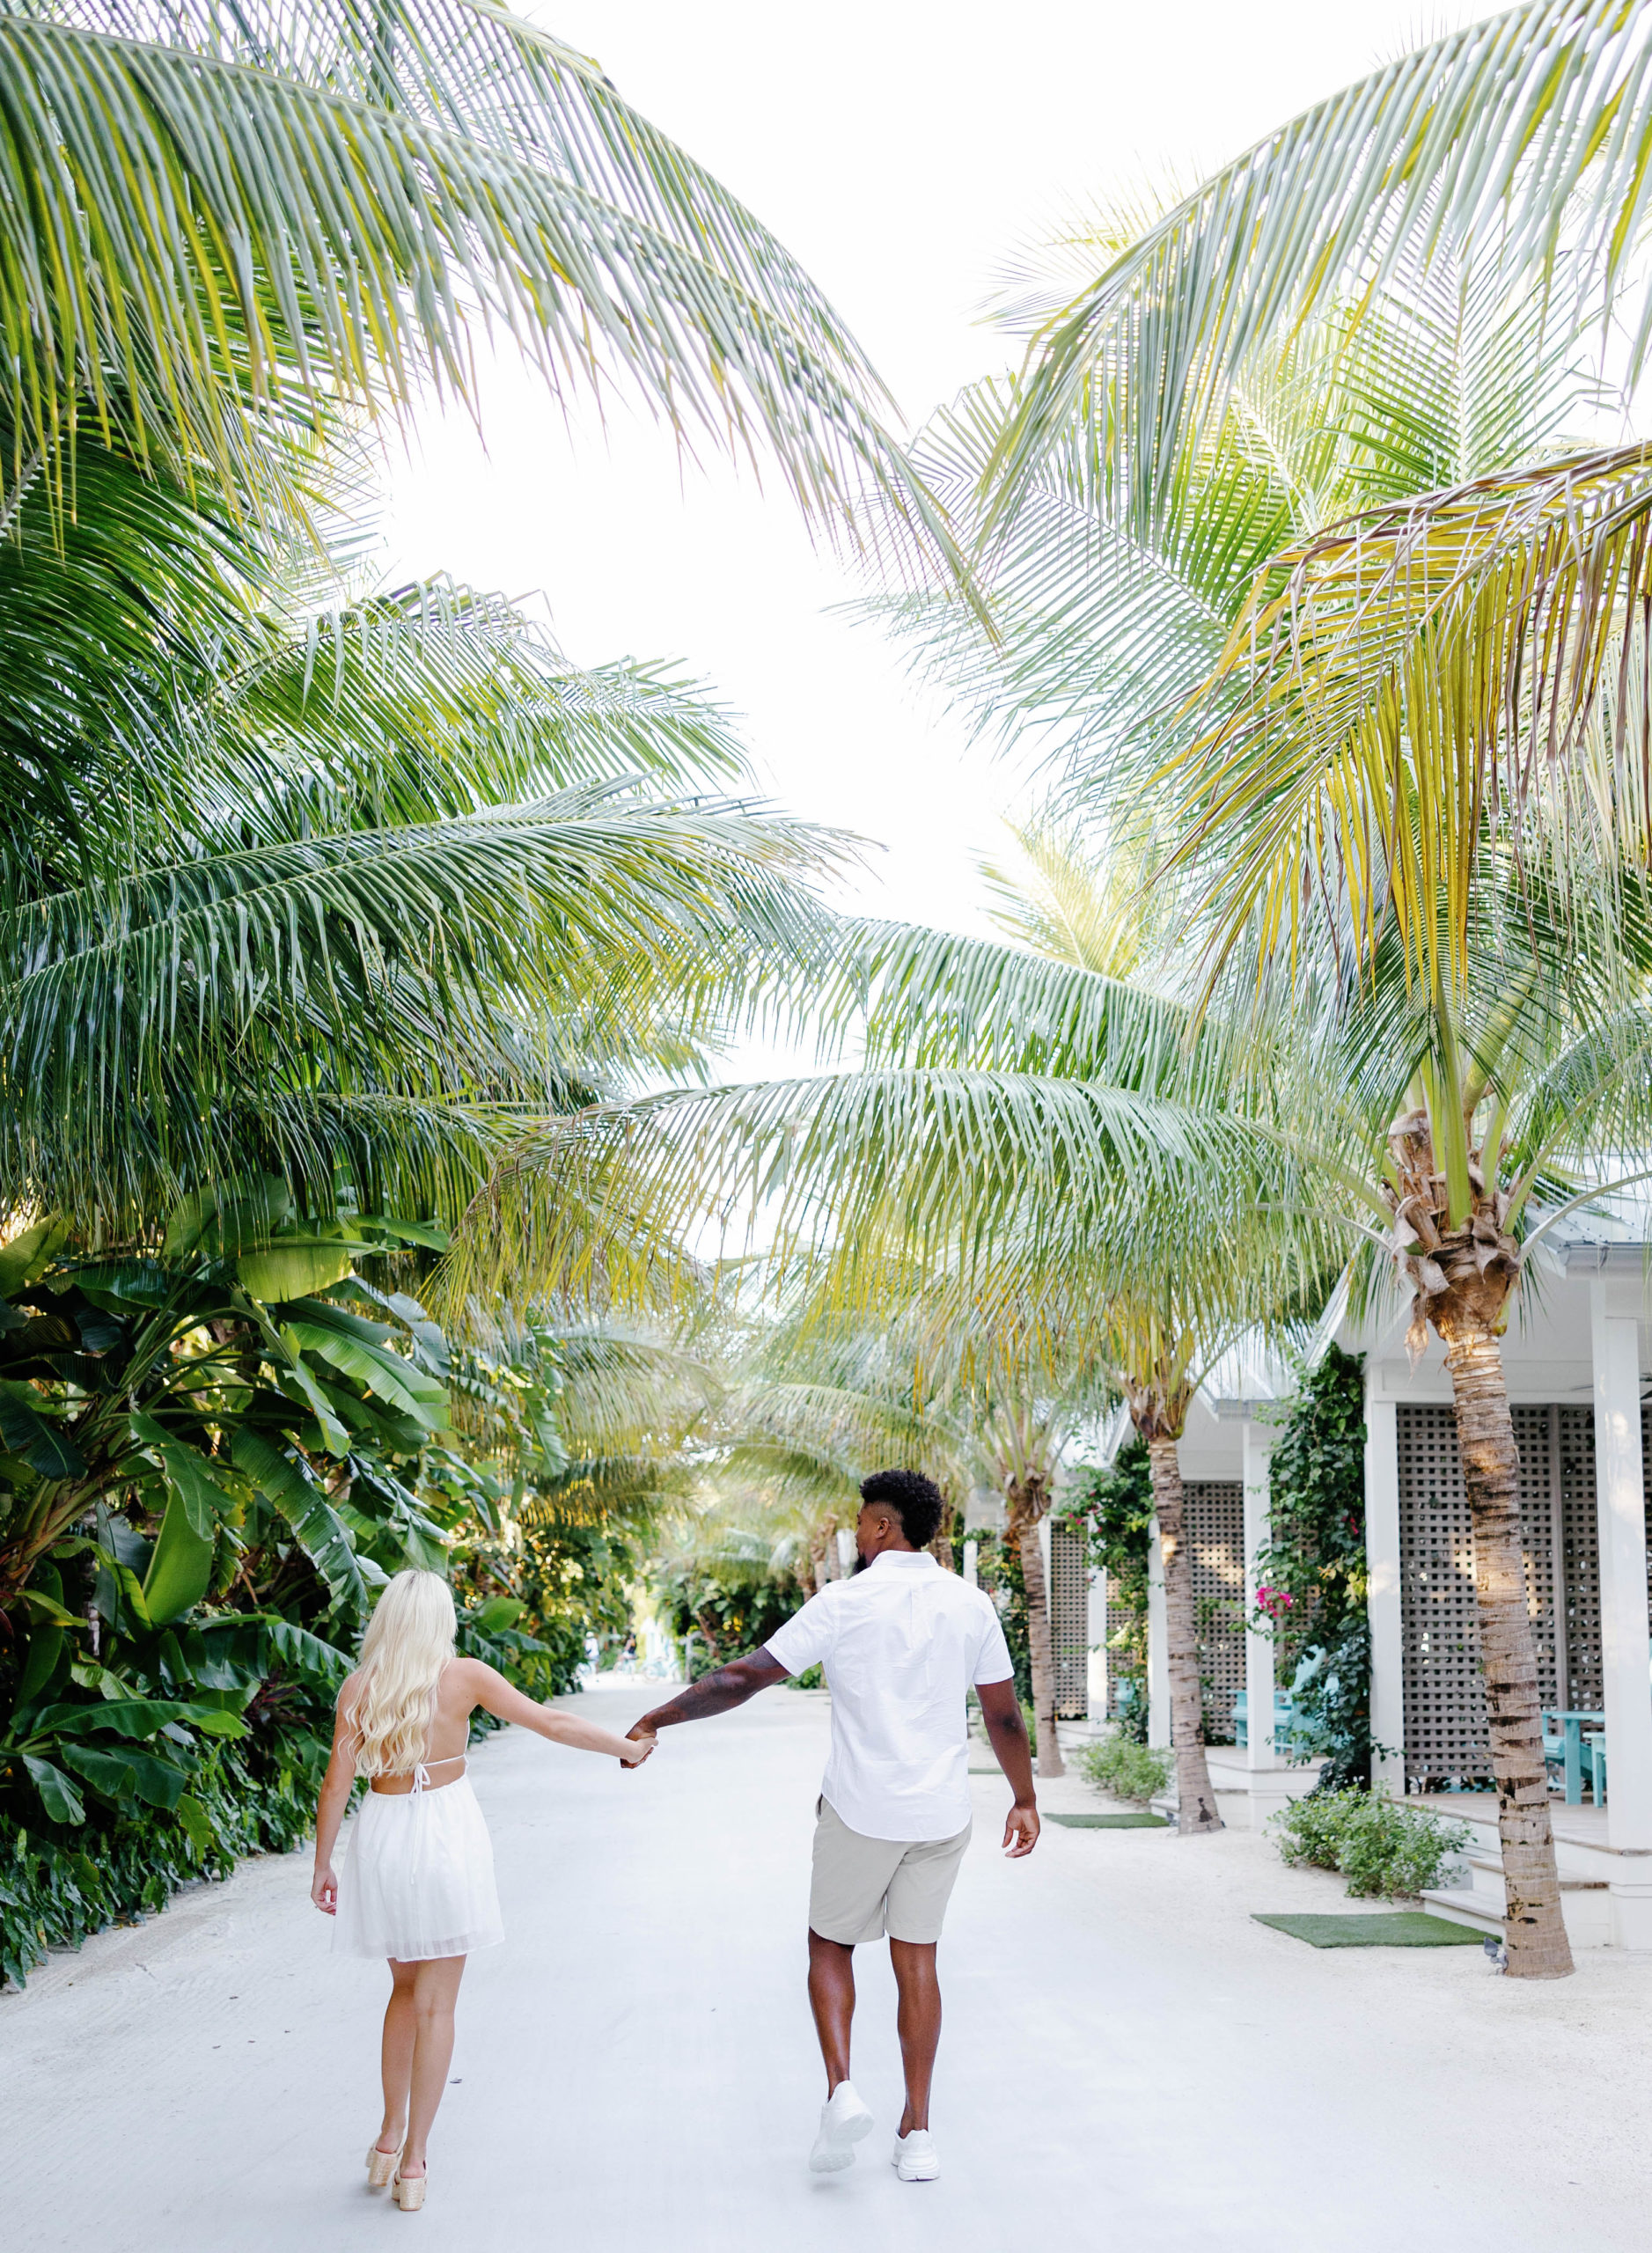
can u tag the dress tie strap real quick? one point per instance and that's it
(422, 1771)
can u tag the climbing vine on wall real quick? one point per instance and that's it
(1311, 1592)
(1113, 1510)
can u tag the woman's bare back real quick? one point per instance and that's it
(457, 1698)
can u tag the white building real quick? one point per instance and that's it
(1577, 1359)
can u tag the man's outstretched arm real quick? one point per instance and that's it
(714, 1693)
(1001, 1710)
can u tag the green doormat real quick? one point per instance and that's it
(1392, 1928)
(1142, 1821)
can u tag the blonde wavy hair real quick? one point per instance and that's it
(410, 1639)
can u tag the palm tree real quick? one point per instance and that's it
(1371, 701)
(1488, 910)
(1115, 583)
(341, 199)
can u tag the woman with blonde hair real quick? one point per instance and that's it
(418, 1883)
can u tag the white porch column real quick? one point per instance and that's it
(1096, 1638)
(1258, 1446)
(1382, 1558)
(1615, 1304)
(1158, 1645)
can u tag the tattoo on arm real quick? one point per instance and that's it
(720, 1692)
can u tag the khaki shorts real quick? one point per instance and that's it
(863, 1888)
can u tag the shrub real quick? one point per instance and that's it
(1382, 1846)
(1128, 1770)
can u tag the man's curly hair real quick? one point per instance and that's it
(915, 1500)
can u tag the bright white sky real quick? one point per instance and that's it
(900, 149)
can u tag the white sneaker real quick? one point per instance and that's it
(916, 2157)
(844, 2120)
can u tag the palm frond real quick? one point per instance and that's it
(600, 1200)
(1405, 675)
(338, 198)
(485, 960)
(1519, 143)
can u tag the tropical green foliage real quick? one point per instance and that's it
(1516, 146)
(728, 1583)
(220, 1443)
(254, 1797)
(311, 893)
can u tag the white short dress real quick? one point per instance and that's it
(418, 1880)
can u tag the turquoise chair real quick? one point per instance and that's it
(1282, 1718)
(1594, 1763)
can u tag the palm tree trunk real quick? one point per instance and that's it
(1026, 1508)
(1196, 1800)
(942, 1548)
(1537, 1943)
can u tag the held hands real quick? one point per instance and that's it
(1021, 1831)
(324, 1890)
(643, 1739)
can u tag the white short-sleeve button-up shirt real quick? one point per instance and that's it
(901, 1643)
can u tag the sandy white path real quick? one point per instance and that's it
(1128, 2061)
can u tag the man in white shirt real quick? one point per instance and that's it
(902, 1642)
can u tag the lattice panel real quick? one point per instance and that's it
(1069, 1623)
(1540, 1537)
(1445, 1709)
(1445, 1702)
(1581, 1543)
(1214, 1514)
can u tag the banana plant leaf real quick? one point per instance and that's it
(180, 1570)
(29, 1254)
(193, 1481)
(126, 1775)
(46, 1643)
(58, 1796)
(112, 1774)
(27, 1433)
(498, 1613)
(289, 1490)
(348, 1344)
(291, 1267)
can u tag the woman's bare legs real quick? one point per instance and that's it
(395, 2056)
(418, 2048)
